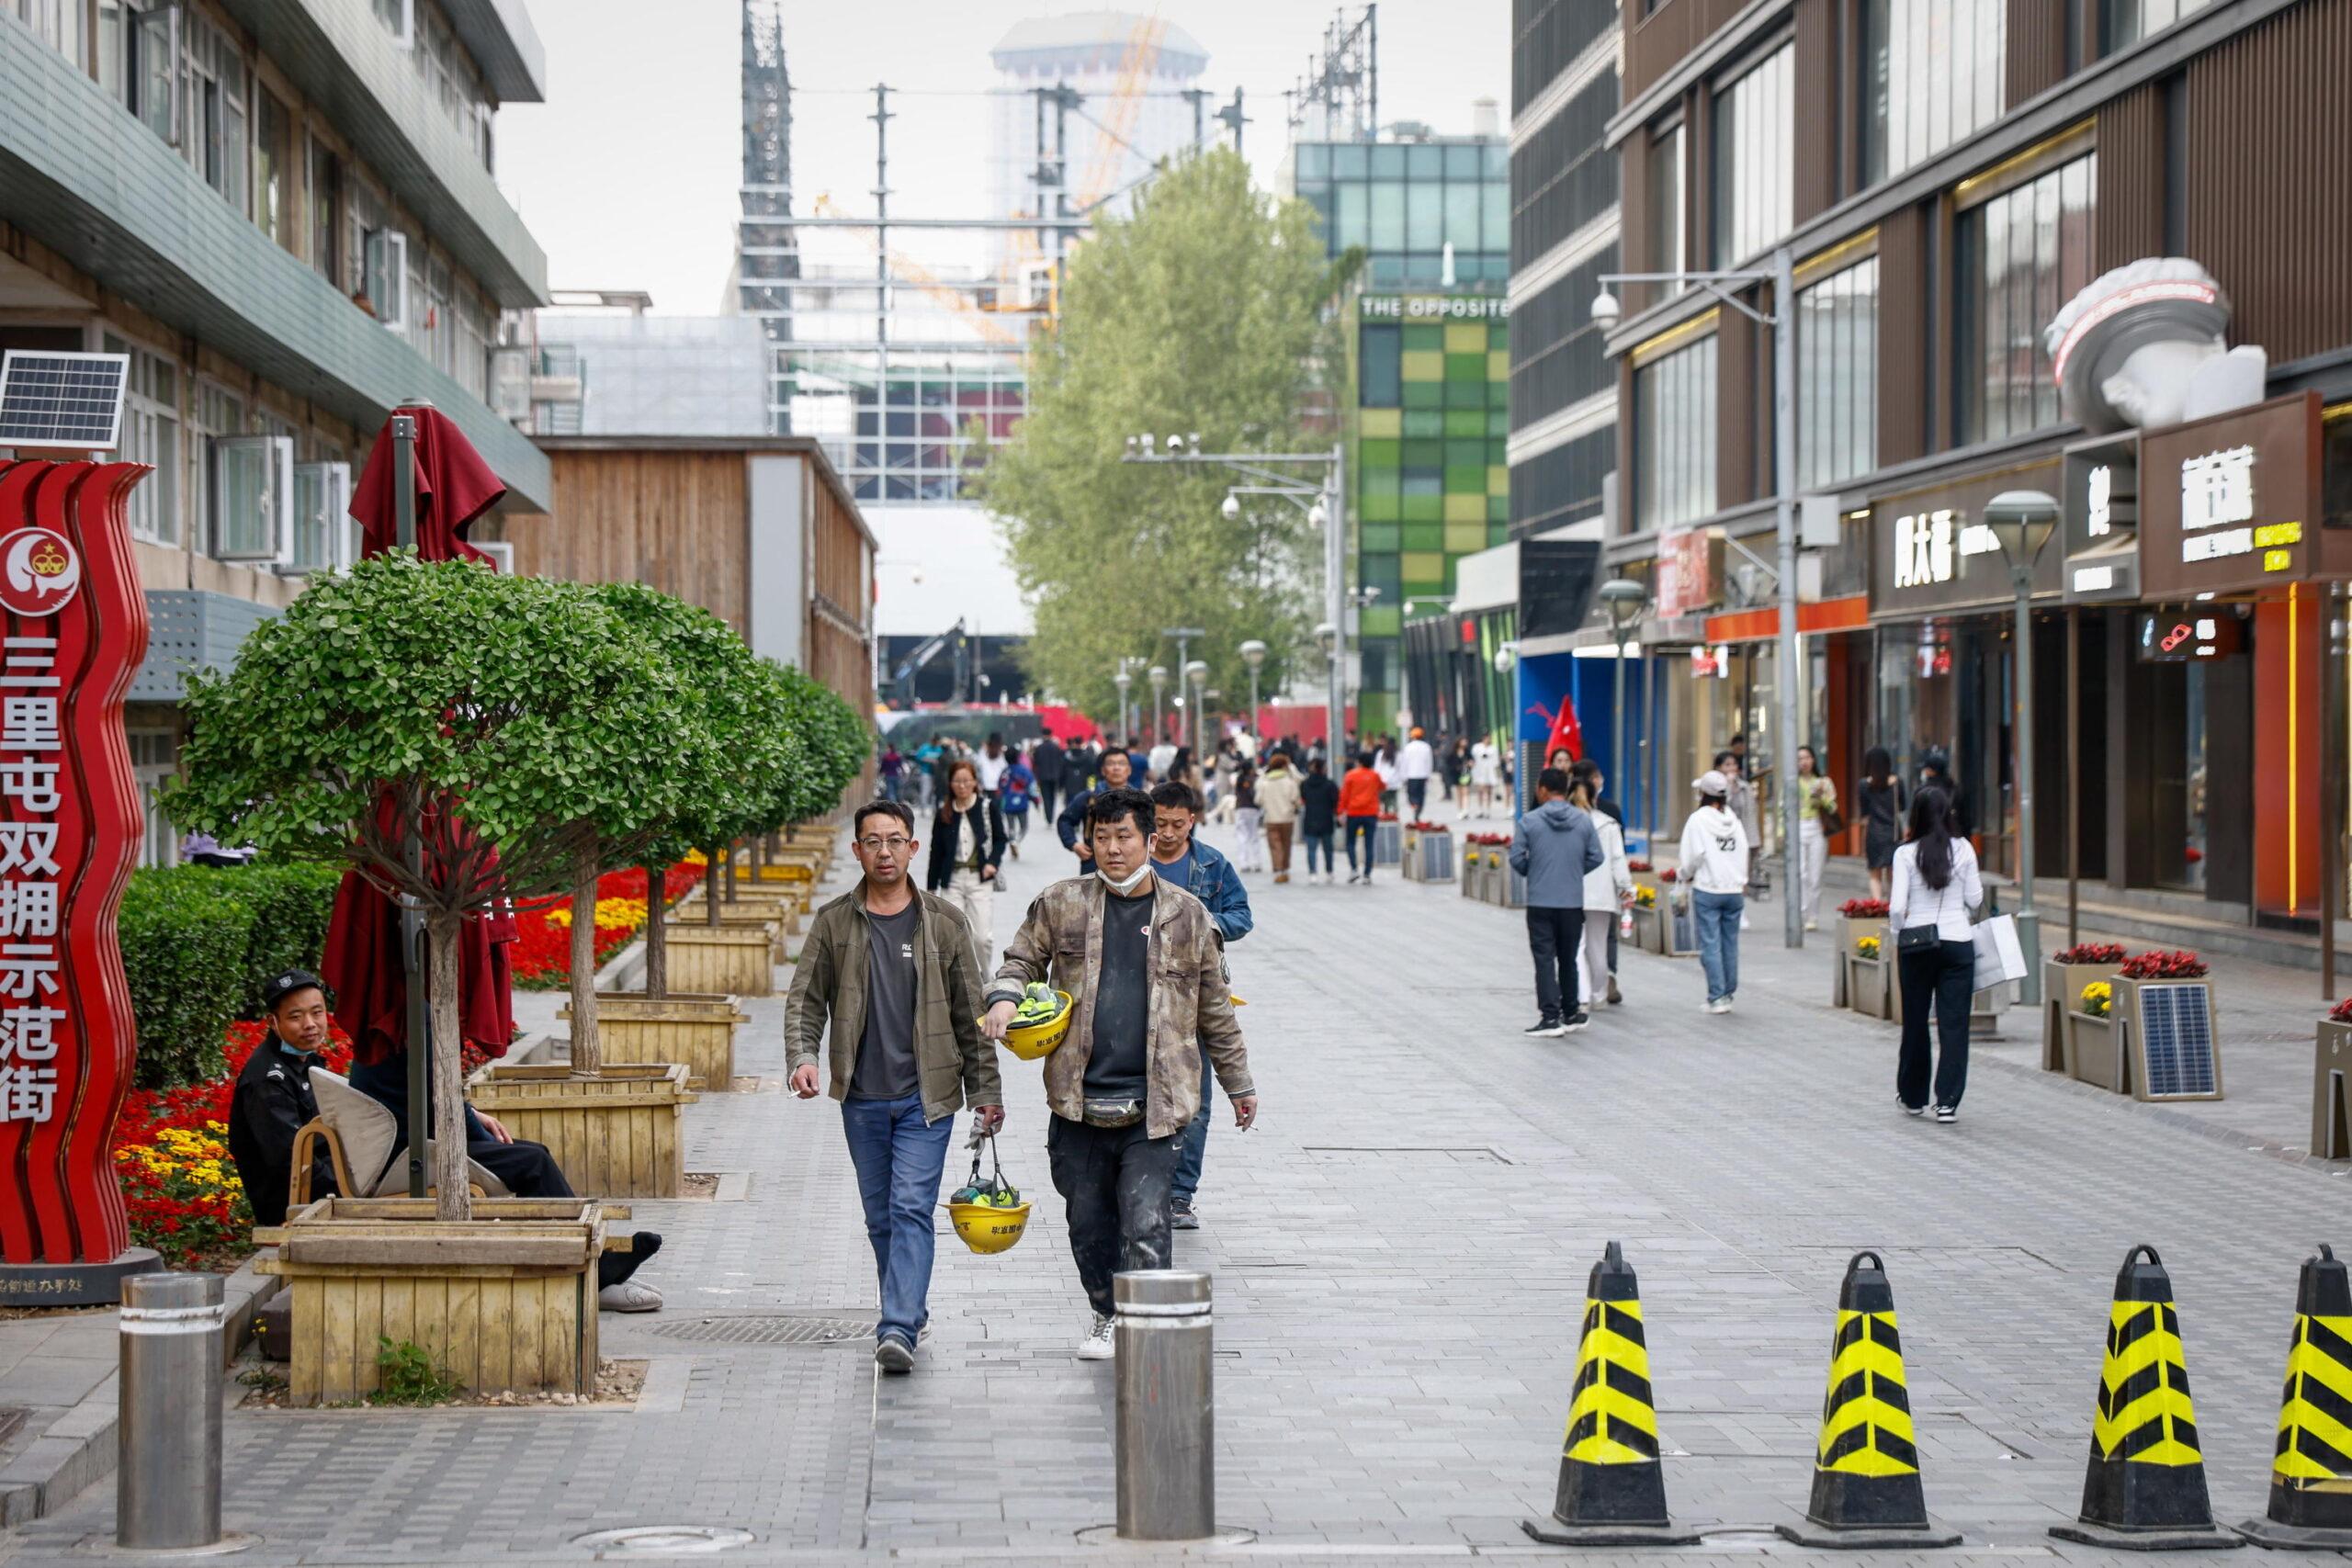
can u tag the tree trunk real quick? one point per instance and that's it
(656, 952)
(585, 1054)
(711, 872)
(731, 873)
(452, 1201)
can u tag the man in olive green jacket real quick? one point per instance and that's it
(891, 969)
(1140, 961)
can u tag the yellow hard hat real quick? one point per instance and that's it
(1032, 1040)
(986, 1229)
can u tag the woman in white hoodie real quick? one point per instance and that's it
(1715, 868)
(1607, 887)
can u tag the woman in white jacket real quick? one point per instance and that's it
(1607, 887)
(1715, 868)
(1934, 882)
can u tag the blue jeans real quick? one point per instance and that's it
(1362, 827)
(899, 1158)
(1194, 1140)
(1717, 917)
(1319, 846)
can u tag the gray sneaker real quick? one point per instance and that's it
(894, 1355)
(1182, 1217)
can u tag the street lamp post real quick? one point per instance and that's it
(1158, 676)
(1622, 597)
(1253, 654)
(1122, 681)
(1196, 677)
(2023, 520)
(1782, 319)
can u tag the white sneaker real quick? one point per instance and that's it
(1098, 1346)
(1719, 1005)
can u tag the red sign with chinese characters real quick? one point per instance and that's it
(72, 629)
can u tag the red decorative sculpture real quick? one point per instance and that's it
(75, 624)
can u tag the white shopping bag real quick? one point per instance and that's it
(2000, 958)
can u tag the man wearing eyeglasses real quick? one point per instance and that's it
(890, 968)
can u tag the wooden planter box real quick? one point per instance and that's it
(735, 961)
(2332, 1091)
(2062, 993)
(618, 1134)
(505, 1301)
(696, 1031)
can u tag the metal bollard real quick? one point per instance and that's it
(1167, 1459)
(167, 1477)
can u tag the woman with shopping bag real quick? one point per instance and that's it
(1933, 884)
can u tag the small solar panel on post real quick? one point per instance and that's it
(71, 401)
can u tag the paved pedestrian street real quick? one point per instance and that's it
(1399, 1254)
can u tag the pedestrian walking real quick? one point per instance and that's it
(1116, 766)
(1608, 890)
(1391, 772)
(1933, 885)
(993, 761)
(1881, 798)
(1454, 769)
(1360, 808)
(1016, 789)
(1319, 819)
(1556, 848)
(1817, 820)
(927, 757)
(1161, 761)
(1140, 961)
(1278, 801)
(1047, 760)
(1181, 859)
(1486, 776)
(1249, 821)
(1714, 869)
(1588, 772)
(884, 983)
(967, 850)
(1417, 762)
(893, 764)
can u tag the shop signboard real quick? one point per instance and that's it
(2231, 504)
(2102, 521)
(72, 629)
(1686, 572)
(1931, 552)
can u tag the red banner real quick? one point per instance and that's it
(72, 629)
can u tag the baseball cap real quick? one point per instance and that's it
(1712, 783)
(279, 986)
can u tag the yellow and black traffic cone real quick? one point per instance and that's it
(2144, 1489)
(1866, 1491)
(2311, 1479)
(1612, 1488)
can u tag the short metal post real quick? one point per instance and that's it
(1166, 1432)
(167, 1475)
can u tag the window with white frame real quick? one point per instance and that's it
(150, 434)
(440, 344)
(384, 275)
(1674, 437)
(1665, 177)
(1838, 377)
(59, 24)
(1931, 76)
(2021, 254)
(217, 111)
(138, 61)
(323, 189)
(2123, 23)
(477, 325)
(153, 761)
(1754, 180)
(399, 18)
(322, 497)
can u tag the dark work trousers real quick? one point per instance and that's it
(1114, 1183)
(1049, 796)
(1364, 828)
(527, 1169)
(1552, 935)
(1942, 978)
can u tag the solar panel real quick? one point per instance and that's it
(2176, 1041)
(62, 400)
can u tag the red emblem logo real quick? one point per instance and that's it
(39, 571)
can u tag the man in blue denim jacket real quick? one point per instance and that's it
(1181, 859)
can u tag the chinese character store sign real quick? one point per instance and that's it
(2216, 489)
(2231, 503)
(72, 629)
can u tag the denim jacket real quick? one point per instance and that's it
(1216, 883)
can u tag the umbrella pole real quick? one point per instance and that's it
(419, 1031)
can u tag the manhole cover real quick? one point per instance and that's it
(770, 1329)
(665, 1540)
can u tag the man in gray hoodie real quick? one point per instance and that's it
(1553, 846)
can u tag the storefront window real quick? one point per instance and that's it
(1838, 377)
(1931, 76)
(1755, 159)
(1674, 437)
(1665, 202)
(2023, 254)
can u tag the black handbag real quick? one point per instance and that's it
(1920, 939)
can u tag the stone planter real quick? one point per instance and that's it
(618, 1134)
(2062, 993)
(1870, 987)
(736, 961)
(1429, 857)
(507, 1300)
(696, 1031)
(1649, 927)
(2128, 1003)
(2332, 1091)
(1467, 883)
(1387, 843)
(2093, 1050)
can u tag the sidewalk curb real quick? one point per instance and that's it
(77, 1449)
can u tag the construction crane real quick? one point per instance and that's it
(1126, 101)
(927, 282)
(902, 679)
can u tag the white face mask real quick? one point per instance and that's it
(1124, 888)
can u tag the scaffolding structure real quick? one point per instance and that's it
(1339, 97)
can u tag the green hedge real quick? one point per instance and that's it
(196, 943)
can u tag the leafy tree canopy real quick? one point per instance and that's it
(837, 740)
(1203, 312)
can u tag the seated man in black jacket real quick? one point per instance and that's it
(273, 1101)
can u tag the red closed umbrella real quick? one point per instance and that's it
(362, 961)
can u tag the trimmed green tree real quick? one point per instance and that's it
(497, 724)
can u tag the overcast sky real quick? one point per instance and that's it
(627, 174)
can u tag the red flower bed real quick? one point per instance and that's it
(2092, 952)
(1430, 827)
(2159, 964)
(2342, 1012)
(1863, 909)
(1489, 839)
(541, 952)
(1638, 866)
